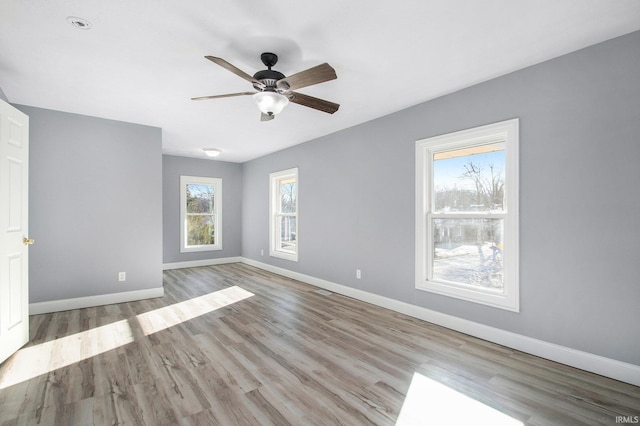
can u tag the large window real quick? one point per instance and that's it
(283, 224)
(200, 213)
(467, 215)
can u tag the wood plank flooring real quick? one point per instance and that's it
(232, 344)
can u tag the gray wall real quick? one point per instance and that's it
(579, 199)
(231, 175)
(95, 205)
(3, 96)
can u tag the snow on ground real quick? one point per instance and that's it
(479, 265)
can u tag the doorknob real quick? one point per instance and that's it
(28, 241)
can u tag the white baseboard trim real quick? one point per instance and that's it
(128, 296)
(90, 301)
(196, 263)
(622, 371)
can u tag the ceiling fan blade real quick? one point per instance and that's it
(318, 74)
(315, 103)
(228, 95)
(266, 117)
(237, 71)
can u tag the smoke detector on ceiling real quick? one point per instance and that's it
(79, 23)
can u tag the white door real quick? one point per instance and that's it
(14, 230)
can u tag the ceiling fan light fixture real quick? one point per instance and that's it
(211, 152)
(270, 103)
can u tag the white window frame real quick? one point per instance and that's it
(217, 213)
(506, 132)
(275, 214)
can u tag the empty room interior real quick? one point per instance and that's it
(336, 213)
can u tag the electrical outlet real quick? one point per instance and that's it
(358, 273)
(261, 252)
(122, 276)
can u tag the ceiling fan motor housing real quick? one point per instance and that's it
(268, 78)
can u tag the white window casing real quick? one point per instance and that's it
(200, 214)
(503, 221)
(283, 214)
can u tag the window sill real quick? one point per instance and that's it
(282, 255)
(199, 248)
(509, 302)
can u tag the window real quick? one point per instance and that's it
(467, 215)
(200, 213)
(283, 224)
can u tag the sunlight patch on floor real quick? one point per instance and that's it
(431, 403)
(162, 318)
(33, 361)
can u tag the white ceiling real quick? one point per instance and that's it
(143, 60)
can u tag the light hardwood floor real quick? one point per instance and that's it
(232, 344)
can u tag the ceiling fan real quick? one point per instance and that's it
(274, 90)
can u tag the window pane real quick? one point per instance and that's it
(288, 195)
(287, 229)
(199, 198)
(469, 179)
(469, 251)
(200, 230)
